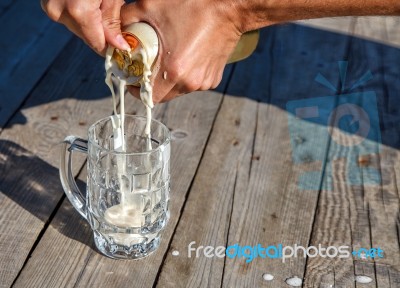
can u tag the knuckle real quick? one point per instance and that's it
(50, 8)
(75, 11)
(79, 11)
(111, 22)
(216, 81)
(206, 86)
(175, 71)
(194, 84)
(214, 85)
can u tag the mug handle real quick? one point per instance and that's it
(75, 196)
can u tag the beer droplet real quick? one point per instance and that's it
(294, 281)
(363, 279)
(268, 277)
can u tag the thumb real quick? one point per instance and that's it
(111, 10)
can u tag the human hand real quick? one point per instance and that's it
(196, 39)
(97, 22)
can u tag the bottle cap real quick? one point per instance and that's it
(128, 65)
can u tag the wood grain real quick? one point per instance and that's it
(279, 210)
(60, 269)
(380, 29)
(333, 24)
(206, 217)
(190, 118)
(235, 177)
(333, 228)
(263, 178)
(28, 48)
(383, 203)
(392, 24)
(364, 215)
(178, 115)
(30, 187)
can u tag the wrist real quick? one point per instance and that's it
(250, 15)
(254, 14)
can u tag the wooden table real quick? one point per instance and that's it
(238, 174)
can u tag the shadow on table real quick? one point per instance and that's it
(77, 73)
(294, 66)
(291, 63)
(35, 186)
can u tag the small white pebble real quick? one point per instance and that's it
(268, 277)
(363, 279)
(165, 75)
(295, 281)
(175, 253)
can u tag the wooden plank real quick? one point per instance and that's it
(270, 208)
(364, 215)
(190, 118)
(36, 41)
(381, 29)
(64, 101)
(25, 202)
(279, 202)
(384, 202)
(392, 32)
(60, 269)
(255, 189)
(333, 228)
(384, 208)
(333, 24)
(206, 218)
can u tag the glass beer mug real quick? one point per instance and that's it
(127, 193)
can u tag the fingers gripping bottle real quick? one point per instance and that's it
(129, 65)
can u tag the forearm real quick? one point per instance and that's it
(255, 14)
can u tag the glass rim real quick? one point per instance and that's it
(108, 118)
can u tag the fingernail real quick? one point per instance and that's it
(121, 41)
